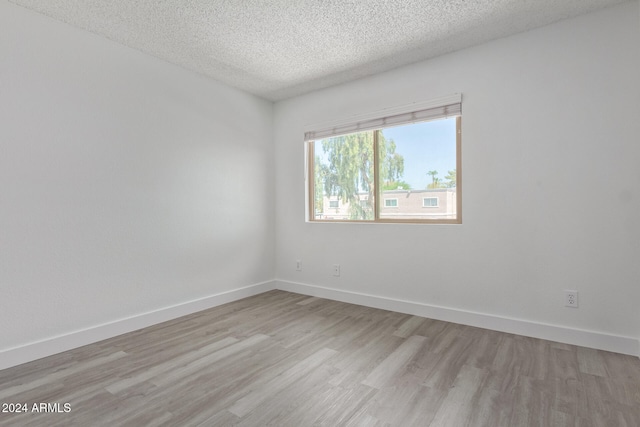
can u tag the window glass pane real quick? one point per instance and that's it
(430, 202)
(418, 168)
(343, 171)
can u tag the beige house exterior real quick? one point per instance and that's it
(438, 203)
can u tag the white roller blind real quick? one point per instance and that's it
(431, 110)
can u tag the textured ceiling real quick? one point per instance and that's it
(281, 48)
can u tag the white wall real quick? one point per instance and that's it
(124, 183)
(551, 189)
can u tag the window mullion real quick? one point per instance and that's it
(311, 176)
(376, 177)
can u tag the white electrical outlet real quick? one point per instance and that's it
(571, 299)
(298, 265)
(336, 269)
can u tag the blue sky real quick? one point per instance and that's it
(425, 146)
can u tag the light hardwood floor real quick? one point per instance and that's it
(283, 359)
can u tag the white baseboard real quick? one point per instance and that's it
(597, 340)
(36, 350)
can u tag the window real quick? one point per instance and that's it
(388, 168)
(430, 202)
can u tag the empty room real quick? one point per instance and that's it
(308, 213)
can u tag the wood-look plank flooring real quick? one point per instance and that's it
(283, 359)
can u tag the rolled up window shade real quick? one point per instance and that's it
(444, 107)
